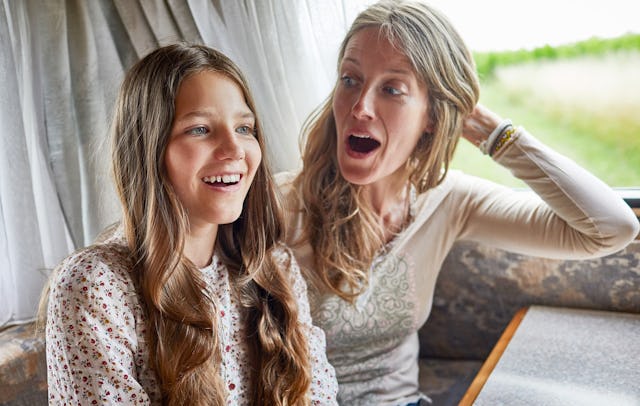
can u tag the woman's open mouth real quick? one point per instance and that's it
(362, 144)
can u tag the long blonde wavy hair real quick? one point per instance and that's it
(184, 348)
(342, 225)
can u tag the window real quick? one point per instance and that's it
(580, 99)
(569, 78)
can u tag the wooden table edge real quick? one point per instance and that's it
(491, 361)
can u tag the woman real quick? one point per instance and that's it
(193, 301)
(374, 211)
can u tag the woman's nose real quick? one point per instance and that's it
(363, 108)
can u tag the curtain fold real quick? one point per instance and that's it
(34, 229)
(62, 62)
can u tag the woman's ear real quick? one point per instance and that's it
(429, 125)
(429, 128)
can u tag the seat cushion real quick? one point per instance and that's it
(445, 381)
(23, 370)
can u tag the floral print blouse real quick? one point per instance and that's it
(96, 333)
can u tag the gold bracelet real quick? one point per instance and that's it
(504, 138)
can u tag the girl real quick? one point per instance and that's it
(193, 300)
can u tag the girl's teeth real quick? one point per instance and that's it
(224, 179)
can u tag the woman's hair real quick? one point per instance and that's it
(335, 216)
(183, 319)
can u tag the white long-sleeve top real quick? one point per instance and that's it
(373, 344)
(96, 346)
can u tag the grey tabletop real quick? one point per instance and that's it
(561, 356)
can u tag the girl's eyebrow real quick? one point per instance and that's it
(245, 115)
(196, 113)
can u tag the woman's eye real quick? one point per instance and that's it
(245, 130)
(198, 131)
(347, 81)
(391, 90)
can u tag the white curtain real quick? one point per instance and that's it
(61, 62)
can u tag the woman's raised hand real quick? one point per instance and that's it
(479, 124)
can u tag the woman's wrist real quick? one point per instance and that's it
(505, 137)
(502, 130)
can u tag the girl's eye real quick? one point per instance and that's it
(348, 81)
(391, 90)
(198, 131)
(245, 130)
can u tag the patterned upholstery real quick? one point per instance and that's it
(23, 370)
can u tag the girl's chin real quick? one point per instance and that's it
(225, 216)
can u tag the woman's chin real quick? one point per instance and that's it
(356, 174)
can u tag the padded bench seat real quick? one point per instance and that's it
(478, 292)
(23, 369)
(445, 381)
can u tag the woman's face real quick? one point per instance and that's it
(380, 107)
(212, 155)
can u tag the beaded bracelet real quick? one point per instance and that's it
(504, 138)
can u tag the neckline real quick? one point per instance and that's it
(408, 220)
(212, 266)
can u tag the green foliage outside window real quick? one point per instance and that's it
(581, 99)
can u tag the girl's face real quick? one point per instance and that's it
(380, 107)
(212, 155)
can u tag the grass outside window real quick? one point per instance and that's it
(583, 102)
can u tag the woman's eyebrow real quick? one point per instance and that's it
(401, 70)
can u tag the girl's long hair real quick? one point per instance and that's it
(183, 320)
(335, 215)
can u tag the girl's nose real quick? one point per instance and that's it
(229, 146)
